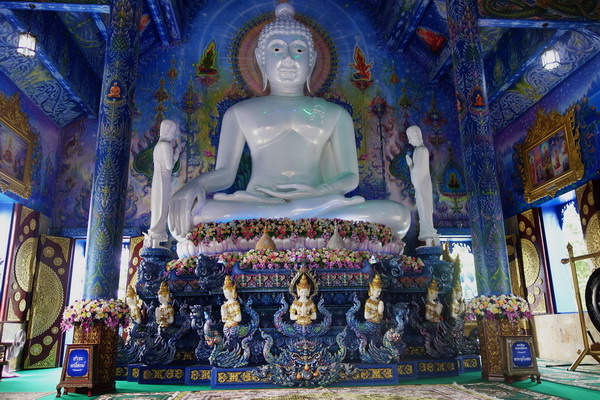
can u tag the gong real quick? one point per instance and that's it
(592, 298)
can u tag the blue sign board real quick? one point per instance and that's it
(521, 355)
(78, 363)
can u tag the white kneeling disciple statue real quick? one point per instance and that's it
(303, 149)
(421, 180)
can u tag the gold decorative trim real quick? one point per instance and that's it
(15, 129)
(24, 263)
(47, 301)
(531, 262)
(537, 165)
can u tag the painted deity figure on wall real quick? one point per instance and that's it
(303, 149)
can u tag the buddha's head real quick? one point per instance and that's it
(168, 129)
(415, 137)
(285, 51)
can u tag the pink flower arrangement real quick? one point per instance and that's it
(412, 265)
(110, 312)
(312, 258)
(183, 266)
(284, 228)
(497, 307)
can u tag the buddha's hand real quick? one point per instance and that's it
(291, 191)
(409, 161)
(184, 203)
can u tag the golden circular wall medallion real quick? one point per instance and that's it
(531, 262)
(48, 300)
(590, 198)
(48, 340)
(24, 264)
(48, 252)
(17, 296)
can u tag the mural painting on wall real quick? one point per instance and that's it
(196, 81)
(578, 96)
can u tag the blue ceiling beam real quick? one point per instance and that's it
(527, 23)
(411, 26)
(159, 21)
(23, 5)
(171, 19)
(100, 25)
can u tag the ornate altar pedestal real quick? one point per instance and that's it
(103, 377)
(490, 331)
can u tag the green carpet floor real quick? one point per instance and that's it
(45, 380)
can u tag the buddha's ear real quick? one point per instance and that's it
(263, 73)
(312, 69)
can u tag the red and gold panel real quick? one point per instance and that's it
(44, 337)
(588, 201)
(535, 270)
(135, 246)
(21, 262)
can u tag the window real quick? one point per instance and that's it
(460, 246)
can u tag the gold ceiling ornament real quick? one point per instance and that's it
(15, 136)
(550, 154)
(24, 263)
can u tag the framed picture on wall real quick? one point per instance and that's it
(16, 147)
(550, 154)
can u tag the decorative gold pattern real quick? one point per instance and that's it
(591, 198)
(490, 331)
(107, 339)
(57, 262)
(48, 340)
(61, 271)
(17, 296)
(541, 307)
(25, 212)
(135, 372)
(24, 263)
(22, 305)
(15, 286)
(48, 362)
(13, 116)
(36, 349)
(592, 238)
(200, 374)
(521, 226)
(405, 369)
(528, 214)
(546, 126)
(531, 262)
(33, 224)
(54, 330)
(47, 300)
(48, 252)
(26, 229)
(528, 231)
(65, 246)
(470, 363)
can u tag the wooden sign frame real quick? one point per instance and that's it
(79, 368)
(519, 358)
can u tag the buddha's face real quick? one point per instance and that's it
(287, 61)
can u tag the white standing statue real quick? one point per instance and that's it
(164, 160)
(303, 148)
(421, 180)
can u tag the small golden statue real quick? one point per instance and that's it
(134, 303)
(458, 306)
(265, 242)
(165, 314)
(373, 306)
(231, 313)
(433, 308)
(303, 310)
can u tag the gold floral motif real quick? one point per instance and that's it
(25, 212)
(17, 296)
(26, 230)
(25, 262)
(586, 209)
(528, 215)
(405, 369)
(470, 363)
(531, 262)
(521, 226)
(47, 300)
(592, 237)
(61, 271)
(489, 341)
(541, 307)
(48, 340)
(36, 349)
(21, 238)
(22, 305)
(32, 224)
(54, 330)
(528, 231)
(57, 261)
(48, 362)
(135, 372)
(590, 198)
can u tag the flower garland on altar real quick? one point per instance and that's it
(311, 258)
(497, 307)
(183, 266)
(412, 265)
(111, 312)
(284, 228)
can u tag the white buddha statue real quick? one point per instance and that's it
(303, 149)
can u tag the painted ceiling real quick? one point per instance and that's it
(65, 77)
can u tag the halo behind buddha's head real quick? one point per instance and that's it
(284, 24)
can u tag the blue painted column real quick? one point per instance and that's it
(111, 169)
(485, 210)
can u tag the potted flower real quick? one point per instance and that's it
(497, 315)
(96, 322)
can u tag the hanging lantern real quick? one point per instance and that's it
(550, 59)
(26, 46)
